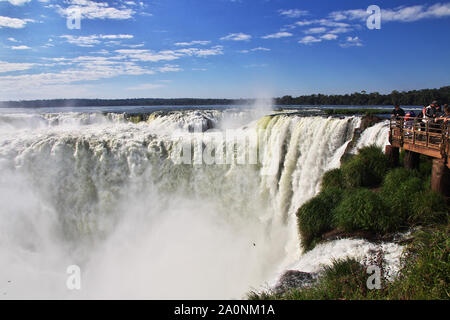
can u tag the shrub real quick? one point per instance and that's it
(400, 188)
(344, 279)
(425, 272)
(429, 207)
(425, 166)
(332, 178)
(424, 275)
(365, 169)
(315, 217)
(362, 209)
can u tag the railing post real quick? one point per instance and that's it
(402, 122)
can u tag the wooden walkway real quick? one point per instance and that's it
(424, 137)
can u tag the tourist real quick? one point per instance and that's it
(397, 112)
(446, 116)
(429, 112)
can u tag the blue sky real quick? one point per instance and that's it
(219, 48)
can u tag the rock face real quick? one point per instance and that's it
(368, 121)
(294, 279)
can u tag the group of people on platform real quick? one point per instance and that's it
(434, 113)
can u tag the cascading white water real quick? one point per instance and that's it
(106, 194)
(378, 134)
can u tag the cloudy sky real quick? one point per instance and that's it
(219, 48)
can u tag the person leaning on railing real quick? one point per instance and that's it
(445, 117)
(397, 112)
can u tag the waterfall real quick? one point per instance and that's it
(107, 194)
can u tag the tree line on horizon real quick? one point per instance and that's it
(411, 98)
(407, 98)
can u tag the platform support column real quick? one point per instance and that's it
(393, 154)
(440, 177)
(412, 160)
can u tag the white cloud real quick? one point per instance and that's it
(309, 40)
(83, 69)
(237, 37)
(90, 41)
(400, 14)
(316, 30)
(16, 2)
(82, 41)
(147, 55)
(12, 40)
(352, 42)
(293, 13)
(192, 43)
(14, 23)
(95, 10)
(169, 68)
(214, 51)
(20, 48)
(278, 35)
(329, 36)
(341, 30)
(305, 23)
(8, 67)
(255, 49)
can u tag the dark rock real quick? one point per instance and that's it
(294, 279)
(368, 121)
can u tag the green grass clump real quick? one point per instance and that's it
(366, 169)
(362, 209)
(333, 178)
(426, 268)
(344, 279)
(429, 207)
(315, 217)
(399, 190)
(424, 275)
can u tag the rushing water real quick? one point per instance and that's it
(111, 196)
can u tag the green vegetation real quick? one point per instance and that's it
(362, 209)
(367, 112)
(409, 98)
(333, 178)
(365, 169)
(382, 202)
(344, 278)
(314, 217)
(424, 274)
(364, 196)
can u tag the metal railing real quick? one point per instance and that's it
(423, 133)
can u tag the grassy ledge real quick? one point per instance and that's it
(367, 197)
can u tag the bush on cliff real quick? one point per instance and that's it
(362, 209)
(425, 272)
(399, 190)
(366, 169)
(315, 217)
(429, 207)
(333, 178)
